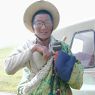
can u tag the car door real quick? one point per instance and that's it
(83, 47)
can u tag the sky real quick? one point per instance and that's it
(13, 31)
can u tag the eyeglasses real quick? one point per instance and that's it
(41, 23)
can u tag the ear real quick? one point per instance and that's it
(52, 28)
(33, 27)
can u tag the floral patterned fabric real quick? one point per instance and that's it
(44, 87)
(76, 80)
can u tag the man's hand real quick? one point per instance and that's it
(55, 55)
(42, 49)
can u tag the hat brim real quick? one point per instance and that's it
(40, 5)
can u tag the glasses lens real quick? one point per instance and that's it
(40, 23)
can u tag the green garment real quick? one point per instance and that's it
(43, 88)
(75, 81)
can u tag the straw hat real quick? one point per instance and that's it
(40, 5)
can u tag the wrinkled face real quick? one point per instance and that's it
(43, 26)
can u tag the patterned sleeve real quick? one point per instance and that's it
(76, 78)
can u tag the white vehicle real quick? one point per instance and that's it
(81, 38)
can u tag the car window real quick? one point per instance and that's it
(83, 47)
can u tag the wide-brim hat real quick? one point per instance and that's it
(40, 5)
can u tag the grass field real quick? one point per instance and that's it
(8, 83)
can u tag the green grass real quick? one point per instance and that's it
(8, 83)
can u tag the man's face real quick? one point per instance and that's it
(43, 26)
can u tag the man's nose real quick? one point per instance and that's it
(43, 26)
